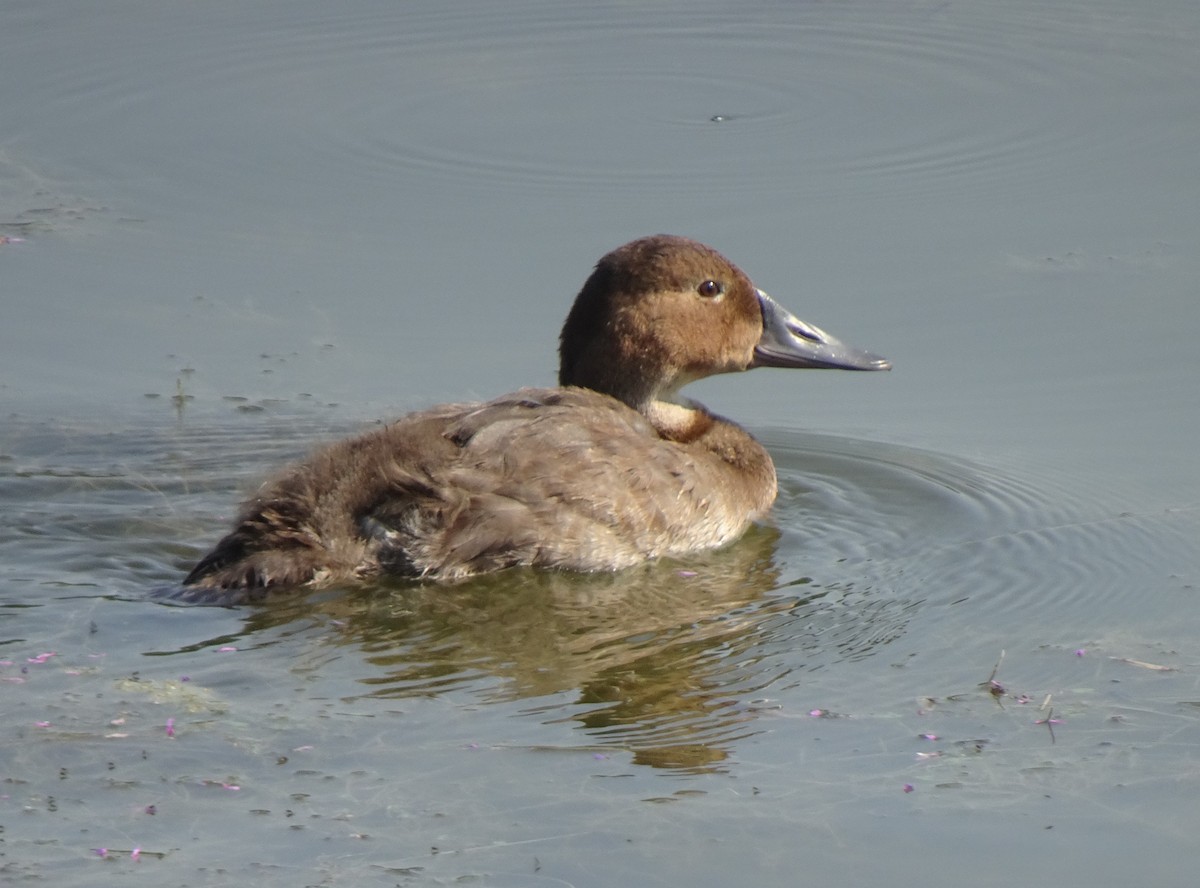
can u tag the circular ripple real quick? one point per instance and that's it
(905, 99)
(907, 102)
(882, 523)
(876, 543)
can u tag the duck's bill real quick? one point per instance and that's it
(789, 342)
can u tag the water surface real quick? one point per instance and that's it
(962, 651)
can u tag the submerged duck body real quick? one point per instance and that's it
(611, 468)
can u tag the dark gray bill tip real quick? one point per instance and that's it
(787, 341)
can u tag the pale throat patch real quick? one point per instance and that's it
(676, 417)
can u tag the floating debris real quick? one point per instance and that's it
(180, 696)
(1142, 664)
(994, 687)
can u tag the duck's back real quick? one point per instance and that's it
(560, 478)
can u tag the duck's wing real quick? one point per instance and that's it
(559, 478)
(555, 478)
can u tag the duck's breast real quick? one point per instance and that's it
(556, 478)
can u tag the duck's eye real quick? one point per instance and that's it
(710, 289)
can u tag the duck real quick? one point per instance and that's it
(610, 469)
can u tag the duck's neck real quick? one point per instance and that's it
(682, 420)
(690, 424)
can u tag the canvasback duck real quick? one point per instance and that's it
(611, 468)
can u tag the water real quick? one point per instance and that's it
(238, 230)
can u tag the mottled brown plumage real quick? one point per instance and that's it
(606, 471)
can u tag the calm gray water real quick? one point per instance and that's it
(230, 230)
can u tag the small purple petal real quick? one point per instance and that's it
(170, 727)
(908, 787)
(135, 855)
(100, 852)
(1081, 652)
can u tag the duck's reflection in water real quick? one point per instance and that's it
(665, 661)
